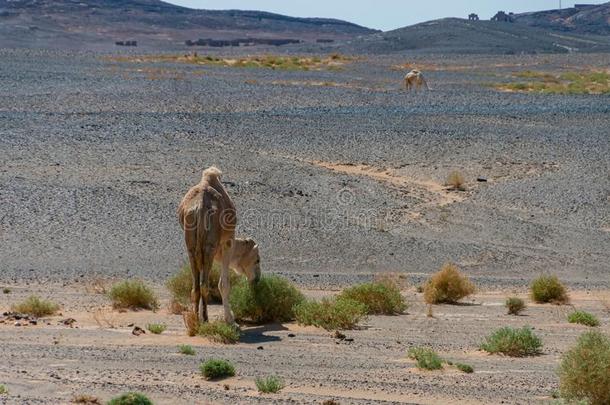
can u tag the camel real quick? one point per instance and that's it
(415, 79)
(207, 216)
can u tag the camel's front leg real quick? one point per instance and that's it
(224, 283)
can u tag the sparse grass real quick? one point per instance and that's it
(181, 283)
(456, 181)
(131, 398)
(581, 82)
(272, 299)
(378, 297)
(86, 399)
(271, 384)
(547, 288)
(584, 373)
(330, 314)
(427, 359)
(215, 369)
(465, 368)
(514, 305)
(513, 342)
(156, 328)
(219, 331)
(583, 318)
(6, 290)
(274, 62)
(133, 294)
(187, 350)
(447, 286)
(36, 306)
(3, 390)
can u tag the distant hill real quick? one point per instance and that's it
(594, 19)
(73, 23)
(454, 35)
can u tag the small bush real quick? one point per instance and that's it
(456, 181)
(465, 368)
(427, 359)
(548, 289)
(272, 299)
(219, 331)
(156, 328)
(584, 373)
(271, 384)
(180, 285)
(378, 297)
(330, 314)
(186, 349)
(583, 318)
(86, 399)
(447, 286)
(513, 342)
(215, 369)
(131, 398)
(6, 290)
(3, 390)
(514, 305)
(133, 294)
(35, 306)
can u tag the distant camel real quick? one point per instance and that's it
(208, 217)
(415, 79)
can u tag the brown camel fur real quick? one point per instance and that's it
(415, 80)
(208, 217)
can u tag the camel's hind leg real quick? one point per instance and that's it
(190, 238)
(224, 283)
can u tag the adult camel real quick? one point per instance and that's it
(208, 217)
(415, 79)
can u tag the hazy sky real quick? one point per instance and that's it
(382, 14)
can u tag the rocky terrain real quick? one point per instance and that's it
(589, 18)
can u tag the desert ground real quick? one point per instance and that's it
(339, 175)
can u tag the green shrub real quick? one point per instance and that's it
(514, 305)
(378, 297)
(133, 294)
(330, 314)
(3, 390)
(584, 373)
(513, 342)
(447, 286)
(466, 368)
(427, 359)
(271, 384)
(548, 289)
(219, 331)
(215, 369)
(131, 398)
(156, 328)
(583, 318)
(186, 349)
(272, 299)
(6, 290)
(181, 283)
(35, 306)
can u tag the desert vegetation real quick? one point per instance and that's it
(465, 368)
(270, 384)
(131, 398)
(548, 288)
(36, 306)
(513, 342)
(86, 399)
(583, 318)
(514, 305)
(448, 285)
(379, 297)
(133, 294)
(186, 349)
(156, 328)
(219, 331)
(276, 62)
(330, 313)
(577, 82)
(272, 299)
(215, 369)
(427, 359)
(585, 370)
(3, 389)
(456, 181)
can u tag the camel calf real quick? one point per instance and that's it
(208, 217)
(415, 80)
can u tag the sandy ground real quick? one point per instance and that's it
(99, 356)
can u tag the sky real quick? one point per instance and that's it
(382, 14)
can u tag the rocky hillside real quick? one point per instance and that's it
(593, 19)
(151, 22)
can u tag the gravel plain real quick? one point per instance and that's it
(338, 175)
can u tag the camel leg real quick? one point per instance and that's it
(190, 239)
(204, 284)
(224, 284)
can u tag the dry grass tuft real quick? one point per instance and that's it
(580, 82)
(447, 286)
(86, 399)
(548, 288)
(456, 181)
(36, 306)
(378, 297)
(97, 286)
(514, 305)
(133, 294)
(191, 322)
(219, 331)
(104, 318)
